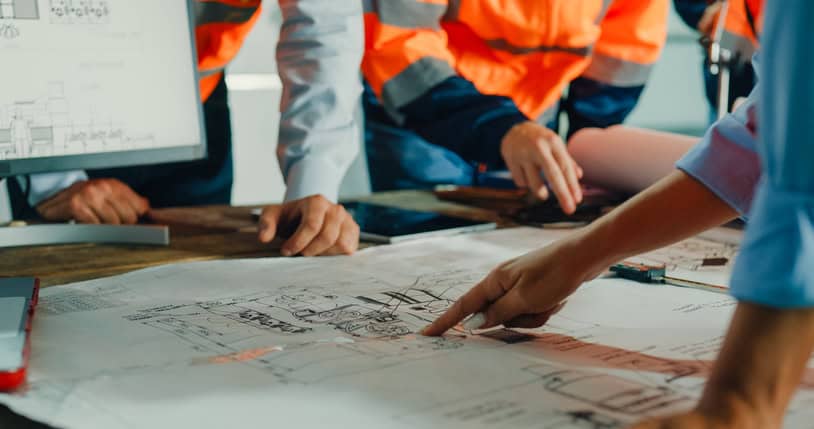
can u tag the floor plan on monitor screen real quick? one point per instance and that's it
(92, 76)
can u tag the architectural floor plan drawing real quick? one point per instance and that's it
(705, 259)
(308, 341)
(19, 9)
(79, 78)
(80, 11)
(12, 10)
(49, 125)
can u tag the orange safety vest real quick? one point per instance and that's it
(527, 50)
(221, 27)
(743, 25)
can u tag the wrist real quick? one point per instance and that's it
(602, 244)
(738, 409)
(594, 250)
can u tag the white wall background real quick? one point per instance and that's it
(673, 101)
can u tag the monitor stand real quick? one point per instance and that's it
(70, 233)
(53, 234)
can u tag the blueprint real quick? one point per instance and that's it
(708, 258)
(332, 342)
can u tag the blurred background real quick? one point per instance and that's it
(673, 101)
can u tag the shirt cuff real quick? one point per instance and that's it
(729, 169)
(774, 266)
(494, 132)
(46, 185)
(312, 176)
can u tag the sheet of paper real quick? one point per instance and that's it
(686, 260)
(309, 342)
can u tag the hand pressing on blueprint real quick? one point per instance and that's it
(97, 201)
(532, 151)
(523, 292)
(313, 226)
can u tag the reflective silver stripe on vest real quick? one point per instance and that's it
(506, 46)
(418, 78)
(209, 12)
(614, 71)
(406, 13)
(209, 72)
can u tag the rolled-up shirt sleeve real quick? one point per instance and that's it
(319, 56)
(46, 185)
(776, 264)
(726, 160)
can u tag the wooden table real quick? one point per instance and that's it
(197, 234)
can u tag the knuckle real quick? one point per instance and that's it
(311, 224)
(105, 185)
(76, 203)
(318, 200)
(88, 191)
(544, 148)
(336, 211)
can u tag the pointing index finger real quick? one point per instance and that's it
(473, 301)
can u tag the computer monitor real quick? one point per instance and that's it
(97, 83)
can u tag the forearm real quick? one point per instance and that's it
(761, 364)
(675, 208)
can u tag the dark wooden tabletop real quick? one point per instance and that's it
(196, 234)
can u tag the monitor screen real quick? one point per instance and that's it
(97, 83)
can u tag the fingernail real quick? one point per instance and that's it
(286, 252)
(475, 322)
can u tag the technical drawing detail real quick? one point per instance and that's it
(80, 12)
(19, 9)
(46, 126)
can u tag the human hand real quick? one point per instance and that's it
(314, 226)
(730, 416)
(97, 201)
(524, 292)
(529, 149)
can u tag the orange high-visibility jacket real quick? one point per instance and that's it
(221, 28)
(743, 25)
(526, 50)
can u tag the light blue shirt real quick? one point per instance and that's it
(319, 54)
(770, 179)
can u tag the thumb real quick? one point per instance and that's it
(267, 226)
(504, 309)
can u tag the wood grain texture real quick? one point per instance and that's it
(197, 234)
